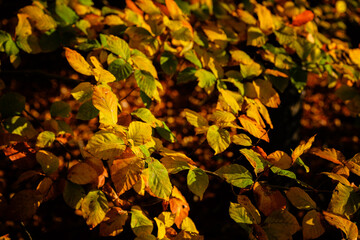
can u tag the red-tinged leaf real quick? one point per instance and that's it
(303, 18)
(253, 128)
(24, 205)
(329, 154)
(345, 225)
(126, 171)
(299, 150)
(178, 206)
(267, 200)
(101, 171)
(280, 159)
(312, 225)
(21, 154)
(113, 222)
(82, 173)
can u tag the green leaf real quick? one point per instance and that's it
(94, 207)
(73, 194)
(300, 162)
(60, 109)
(146, 115)
(83, 92)
(168, 63)
(166, 133)
(66, 14)
(345, 200)
(146, 83)
(115, 45)
(107, 103)
(236, 175)
(159, 182)
(20, 126)
(87, 111)
(48, 161)
(244, 211)
(206, 79)
(63, 127)
(140, 224)
(186, 75)
(197, 181)
(300, 199)
(280, 225)
(218, 139)
(195, 119)
(255, 37)
(86, 2)
(45, 139)
(120, 69)
(140, 132)
(11, 104)
(105, 145)
(254, 159)
(241, 139)
(282, 172)
(191, 56)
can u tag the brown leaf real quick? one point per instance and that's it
(24, 205)
(303, 18)
(312, 225)
(47, 188)
(126, 170)
(267, 200)
(9, 138)
(82, 173)
(299, 150)
(113, 222)
(178, 206)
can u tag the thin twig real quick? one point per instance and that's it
(128, 94)
(26, 231)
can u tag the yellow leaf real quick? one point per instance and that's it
(253, 112)
(214, 33)
(23, 28)
(280, 159)
(222, 116)
(265, 18)
(106, 102)
(100, 74)
(195, 119)
(78, 62)
(264, 112)
(241, 139)
(143, 63)
(254, 128)
(299, 150)
(40, 19)
(140, 132)
(218, 139)
(230, 100)
(263, 90)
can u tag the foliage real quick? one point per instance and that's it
(242, 55)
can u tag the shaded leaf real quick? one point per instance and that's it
(20, 126)
(140, 224)
(73, 194)
(105, 145)
(87, 111)
(115, 45)
(345, 201)
(120, 69)
(244, 211)
(83, 92)
(23, 205)
(168, 63)
(113, 223)
(82, 173)
(197, 181)
(60, 109)
(45, 139)
(300, 199)
(205, 78)
(348, 227)
(312, 225)
(178, 206)
(268, 201)
(11, 104)
(48, 161)
(280, 225)
(254, 159)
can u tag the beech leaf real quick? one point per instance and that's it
(218, 139)
(106, 102)
(236, 175)
(82, 173)
(281, 225)
(349, 228)
(159, 181)
(48, 161)
(312, 225)
(78, 62)
(244, 211)
(197, 181)
(300, 199)
(94, 207)
(140, 224)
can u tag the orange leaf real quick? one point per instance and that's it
(113, 222)
(130, 4)
(329, 154)
(82, 173)
(174, 10)
(280, 159)
(303, 18)
(302, 148)
(126, 171)
(268, 201)
(178, 206)
(253, 128)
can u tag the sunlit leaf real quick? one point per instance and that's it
(241, 139)
(345, 225)
(174, 10)
(94, 207)
(230, 100)
(146, 115)
(265, 18)
(300, 199)
(312, 225)
(120, 69)
(139, 132)
(106, 102)
(218, 138)
(41, 20)
(188, 225)
(146, 83)
(244, 211)
(197, 181)
(48, 161)
(337, 177)
(345, 200)
(78, 62)
(161, 228)
(105, 145)
(195, 119)
(178, 206)
(20, 126)
(280, 159)
(303, 18)
(140, 224)
(115, 45)
(236, 175)
(253, 128)
(66, 14)
(191, 56)
(206, 79)
(256, 37)
(159, 182)
(299, 150)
